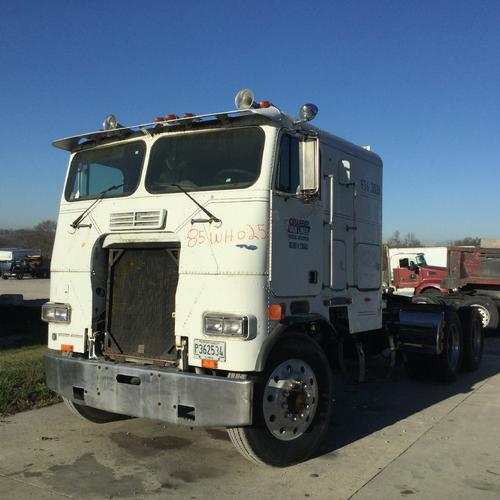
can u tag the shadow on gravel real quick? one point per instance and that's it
(362, 409)
(20, 325)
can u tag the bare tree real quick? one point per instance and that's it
(468, 241)
(411, 241)
(41, 236)
(397, 241)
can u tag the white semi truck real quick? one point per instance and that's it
(205, 267)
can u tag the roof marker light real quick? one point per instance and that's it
(265, 104)
(171, 117)
(244, 99)
(188, 115)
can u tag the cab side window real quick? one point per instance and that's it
(288, 178)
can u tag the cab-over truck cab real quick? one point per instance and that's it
(204, 265)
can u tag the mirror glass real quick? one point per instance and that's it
(309, 165)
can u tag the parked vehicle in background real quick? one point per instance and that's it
(471, 278)
(208, 269)
(410, 273)
(434, 256)
(38, 266)
(20, 262)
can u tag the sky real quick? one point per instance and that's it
(418, 81)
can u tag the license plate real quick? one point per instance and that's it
(209, 349)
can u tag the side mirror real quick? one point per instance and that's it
(309, 166)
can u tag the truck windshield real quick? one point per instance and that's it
(93, 171)
(420, 259)
(217, 159)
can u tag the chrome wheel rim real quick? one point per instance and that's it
(485, 314)
(290, 399)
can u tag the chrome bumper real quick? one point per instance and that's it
(141, 391)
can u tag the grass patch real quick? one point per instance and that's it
(22, 380)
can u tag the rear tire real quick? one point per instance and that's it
(292, 405)
(447, 364)
(426, 299)
(487, 309)
(473, 331)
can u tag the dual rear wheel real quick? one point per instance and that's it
(461, 348)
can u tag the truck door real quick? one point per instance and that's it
(406, 274)
(296, 229)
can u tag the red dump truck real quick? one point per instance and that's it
(472, 277)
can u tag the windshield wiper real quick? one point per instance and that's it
(211, 216)
(84, 214)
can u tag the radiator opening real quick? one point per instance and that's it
(140, 298)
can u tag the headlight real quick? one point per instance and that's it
(228, 326)
(56, 313)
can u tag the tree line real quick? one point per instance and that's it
(397, 240)
(40, 236)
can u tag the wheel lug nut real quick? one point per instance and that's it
(301, 415)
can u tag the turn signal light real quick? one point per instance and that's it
(66, 348)
(276, 312)
(209, 363)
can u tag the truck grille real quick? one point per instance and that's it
(141, 301)
(145, 219)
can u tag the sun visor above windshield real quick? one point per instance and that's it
(72, 143)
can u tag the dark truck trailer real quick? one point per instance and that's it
(474, 279)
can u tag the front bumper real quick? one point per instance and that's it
(145, 391)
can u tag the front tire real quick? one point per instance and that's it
(93, 415)
(292, 405)
(88, 413)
